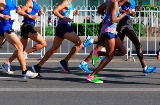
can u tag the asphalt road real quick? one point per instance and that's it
(124, 84)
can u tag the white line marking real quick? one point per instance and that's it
(81, 89)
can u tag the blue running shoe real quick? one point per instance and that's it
(149, 70)
(100, 58)
(87, 42)
(84, 67)
(64, 65)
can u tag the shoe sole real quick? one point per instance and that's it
(10, 72)
(63, 67)
(27, 77)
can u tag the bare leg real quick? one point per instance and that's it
(74, 38)
(41, 43)
(14, 40)
(14, 55)
(56, 44)
(109, 45)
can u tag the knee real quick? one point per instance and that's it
(79, 45)
(44, 44)
(19, 47)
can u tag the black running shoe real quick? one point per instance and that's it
(37, 70)
(64, 65)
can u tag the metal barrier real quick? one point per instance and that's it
(149, 19)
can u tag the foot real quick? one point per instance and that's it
(94, 79)
(25, 55)
(149, 70)
(36, 69)
(29, 74)
(84, 67)
(6, 67)
(64, 65)
(87, 42)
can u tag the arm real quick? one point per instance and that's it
(24, 9)
(2, 4)
(114, 8)
(101, 9)
(76, 12)
(59, 8)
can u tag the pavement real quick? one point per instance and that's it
(124, 83)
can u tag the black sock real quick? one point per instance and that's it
(38, 66)
(24, 72)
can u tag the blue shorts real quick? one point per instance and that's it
(107, 35)
(5, 28)
(61, 29)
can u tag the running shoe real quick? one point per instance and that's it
(94, 79)
(87, 42)
(95, 57)
(100, 58)
(29, 74)
(36, 69)
(25, 55)
(84, 67)
(149, 70)
(64, 65)
(6, 67)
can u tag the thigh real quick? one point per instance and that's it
(36, 37)
(13, 39)
(57, 41)
(121, 36)
(109, 45)
(131, 35)
(24, 42)
(119, 45)
(73, 37)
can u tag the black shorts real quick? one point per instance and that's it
(26, 29)
(124, 23)
(61, 29)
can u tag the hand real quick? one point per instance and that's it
(138, 8)
(6, 17)
(76, 12)
(18, 9)
(67, 19)
(40, 12)
(33, 17)
(128, 11)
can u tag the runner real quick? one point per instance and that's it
(27, 31)
(109, 38)
(7, 17)
(125, 27)
(89, 40)
(63, 31)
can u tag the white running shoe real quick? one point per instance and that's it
(6, 67)
(29, 74)
(25, 55)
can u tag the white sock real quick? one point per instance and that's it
(145, 68)
(83, 62)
